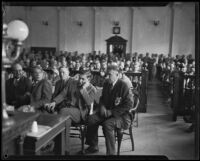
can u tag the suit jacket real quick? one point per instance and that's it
(60, 85)
(63, 93)
(15, 93)
(118, 100)
(41, 94)
(74, 96)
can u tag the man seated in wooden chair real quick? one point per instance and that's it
(73, 101)
(113, 113)
(40, 94)
(18, 88)
(59, 99)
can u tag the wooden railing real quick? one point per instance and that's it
(182, 94)
(141, 87)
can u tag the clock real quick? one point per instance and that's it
(116, 30)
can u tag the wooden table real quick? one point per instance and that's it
(13, 135)
(33, 145)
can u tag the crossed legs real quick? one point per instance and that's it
(75, 116)
(109, 125)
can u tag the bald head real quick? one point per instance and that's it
(17, 70)
(16, 66)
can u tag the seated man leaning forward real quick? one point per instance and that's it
(77, 97)
(114, 106)
(62, 86)
(41, 92)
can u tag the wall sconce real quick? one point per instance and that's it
(156, 22)
(45, 23)
(116, 23)
(79, 23)
(13, 35)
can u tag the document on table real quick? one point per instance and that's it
(42, 130)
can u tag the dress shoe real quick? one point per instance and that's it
(81, 152)
(91, 150)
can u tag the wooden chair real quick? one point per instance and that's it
(120, 132)
(81, 128)
(134, 122)
(136, 96)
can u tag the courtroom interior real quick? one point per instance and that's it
(89, 80)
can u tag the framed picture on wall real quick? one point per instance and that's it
(116, 30)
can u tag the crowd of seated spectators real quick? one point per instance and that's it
(160, 66)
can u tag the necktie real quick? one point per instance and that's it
(16, 81)
(34, 83)
(110, 88)
(78, 99)
(62, 85)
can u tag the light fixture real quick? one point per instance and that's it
(13, 35)
(17, 29)
(115, 23)
(156, 22)
(79, 23)
(45, 23)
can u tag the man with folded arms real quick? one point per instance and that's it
(113, 113)
(41, 92)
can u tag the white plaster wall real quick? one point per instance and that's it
(14, 13)
(146, 37)
(42, 35)
(184, 30)
(78, 38)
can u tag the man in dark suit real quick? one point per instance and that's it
(62, 87)
(18, 88)
(114, 105)
(76, 97)
(41, 92)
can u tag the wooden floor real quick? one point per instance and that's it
(156, 134)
